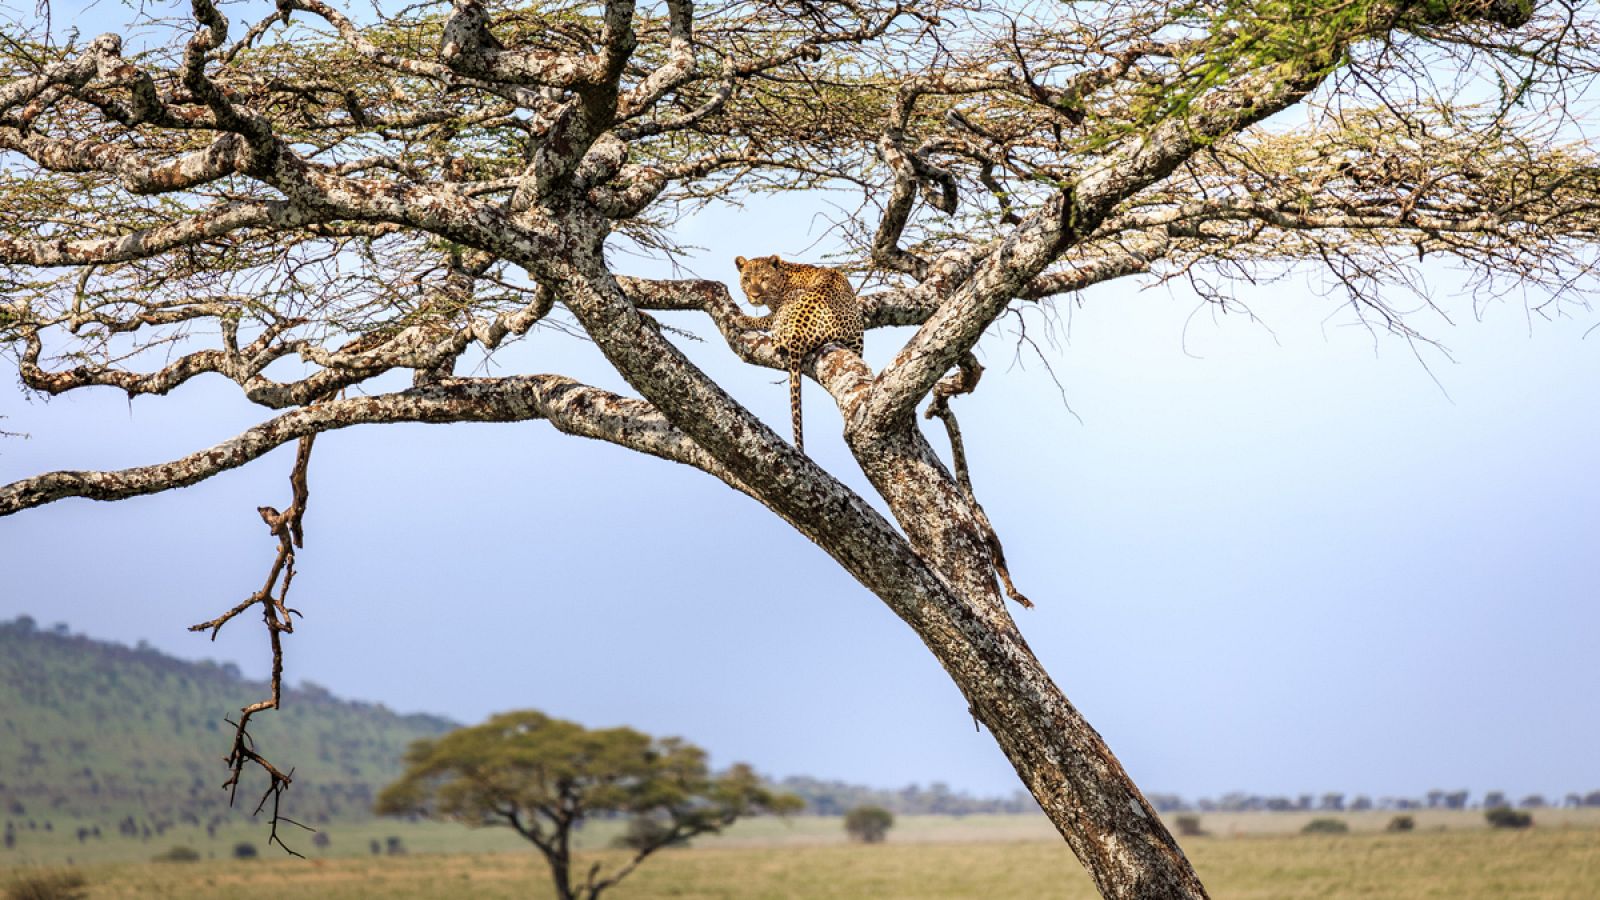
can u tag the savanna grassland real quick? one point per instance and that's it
(1449, 856)
(98, 778)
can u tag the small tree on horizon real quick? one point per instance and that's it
(543, 777)
(1326, 826)
(1506, 817)
(868, 824)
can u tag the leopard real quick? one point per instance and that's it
(810, 306)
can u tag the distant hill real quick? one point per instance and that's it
(133, 737)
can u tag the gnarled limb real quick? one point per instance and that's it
(572, 407)
(156, 239)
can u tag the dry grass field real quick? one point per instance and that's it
(932, 857)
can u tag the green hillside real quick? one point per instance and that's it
(134, 739)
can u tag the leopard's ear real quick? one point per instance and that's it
(738, 263)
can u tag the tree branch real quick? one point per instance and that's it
(572, 407)
(1059, 224)
(276, 215)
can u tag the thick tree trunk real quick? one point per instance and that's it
(1065, 764)
(1063, 761)
(560, 875)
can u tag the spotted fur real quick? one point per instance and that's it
(811, 306)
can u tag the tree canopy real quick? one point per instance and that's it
(545, 777)
(344, 213)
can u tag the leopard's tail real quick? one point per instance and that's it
(794, 408)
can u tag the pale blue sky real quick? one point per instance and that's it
(1279, 561)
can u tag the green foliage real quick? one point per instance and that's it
(1303, 36)
(178, 855)
(1401, 823)
(1283, 41)
(868, 824)
(1506, 817)
(244, 850)
(530, 762)
(1326, 826)
(48, 885)
(544, 777)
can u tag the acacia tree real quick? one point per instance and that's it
(868, 824)
(309, 201)
(543, 778)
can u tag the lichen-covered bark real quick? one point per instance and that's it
(573, 408)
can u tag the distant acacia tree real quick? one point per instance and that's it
(1401, 823)
(315, 200)
(868, 824)
(544, 777)
(1326, 826)
(1506, 817)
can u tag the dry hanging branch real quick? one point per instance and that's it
(278, 616)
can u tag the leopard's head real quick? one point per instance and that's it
(762, 279)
